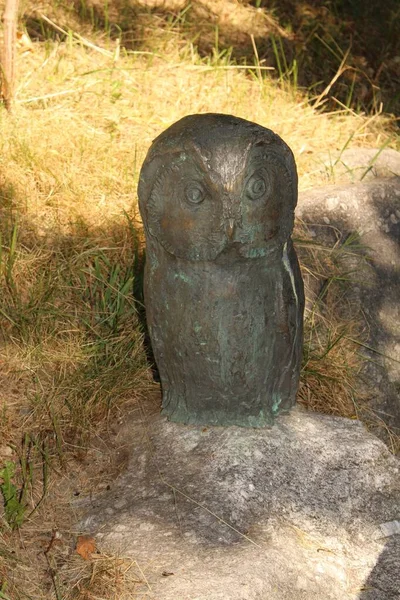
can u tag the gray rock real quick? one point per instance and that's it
(291, 512)
(361, 164)
(373, 210)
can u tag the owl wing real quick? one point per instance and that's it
(289, 345)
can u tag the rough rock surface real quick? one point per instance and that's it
(291, 512)
(373, 210)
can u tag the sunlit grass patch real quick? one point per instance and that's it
(84, 121)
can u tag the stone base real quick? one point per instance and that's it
(292, 512)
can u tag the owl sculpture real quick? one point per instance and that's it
(223, 289)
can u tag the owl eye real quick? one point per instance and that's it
(194, 193)
(256, 187)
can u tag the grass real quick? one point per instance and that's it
(71, 340)
(106, 577)
(331, 361)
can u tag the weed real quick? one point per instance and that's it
(32, 453)
(14, 507)
(3, 595)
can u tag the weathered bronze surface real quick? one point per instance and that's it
(223, 290)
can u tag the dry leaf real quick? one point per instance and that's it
(85, 546)
(24, 42)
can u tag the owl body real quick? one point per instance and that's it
(223, 290)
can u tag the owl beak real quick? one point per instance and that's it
(230, 228)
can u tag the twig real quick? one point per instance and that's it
(52, 574)
(56, 94)
(45, 458)
(142, 574)
(47, 96)
(258, 67)
(339, 72)
(205, 68)
(220, 519)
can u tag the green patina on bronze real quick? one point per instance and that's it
(182, 276)
(223, 290)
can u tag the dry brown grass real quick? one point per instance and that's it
(83, 123)
(331, 361)
(71, 348)
(106, 577)
(43, 564)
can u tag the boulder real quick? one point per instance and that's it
(372, 209)
(304, 510)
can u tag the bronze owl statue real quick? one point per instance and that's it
(223, 290)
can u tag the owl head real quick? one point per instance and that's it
(212, 183)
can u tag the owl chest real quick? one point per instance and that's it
(220, 317)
